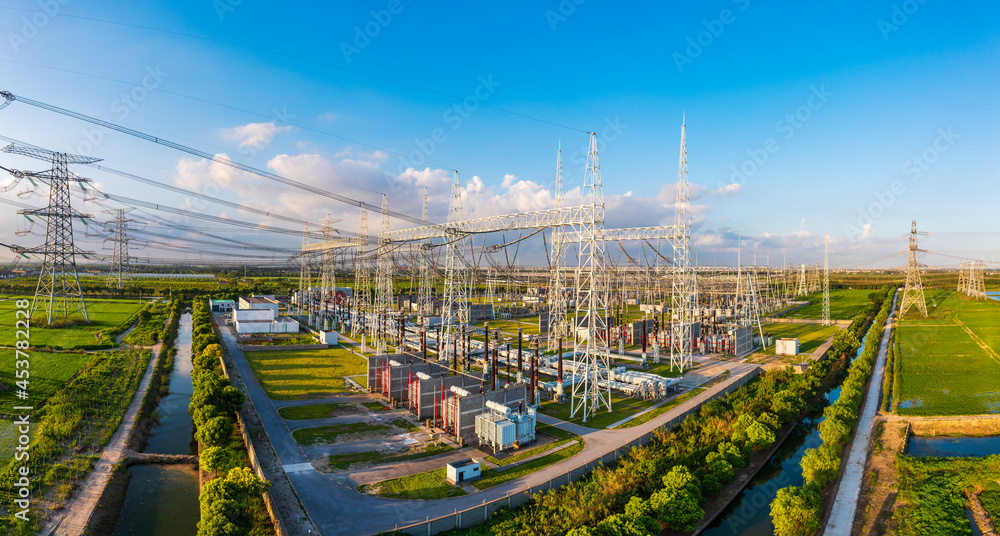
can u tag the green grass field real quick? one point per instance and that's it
(49, 371)
(104, 314)
(344, 461)
(621, 407)
(429, 485)
(318, 411)
(844, 304)
(943, 370)
(810, 336)
(298, 374)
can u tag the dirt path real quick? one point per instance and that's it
(880, 498)
(72, 520)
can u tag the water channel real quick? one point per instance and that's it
(749, 514)
(162, 500)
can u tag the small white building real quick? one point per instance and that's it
(262, 321)
(463, 471)
(259, 302)
(787, 347)
(329, 337)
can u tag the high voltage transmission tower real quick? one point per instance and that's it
(826, 280)
(802, 289)
(913, 292)
(592, 283)
(328, 277)
(557, 307)
(383, 281)
(425, 305)
(684, 283)
(455, 310)
(121, 264)
(971, 279)
(362, 298)
(58, 282)
(305, 277)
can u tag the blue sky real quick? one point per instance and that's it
(800, 116)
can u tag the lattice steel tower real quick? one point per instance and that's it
(455, 310)
(592, 289)
(383, 280)
(328, 275)
(362, 298)
(557, 302)
(683, 287)
(425, 303)
(826, 280)
(58, 283)
(305, 275)
(913, 292)
(121, 268)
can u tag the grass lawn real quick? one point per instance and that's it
(810, 336)
(49, 371)
(943, 370)
(299, 374)
(324, 435)
(562, 436)
(344, 461)
(621, 406)
(318, 411)
(652, 414)
(491, 477)
(429, 485)
(844, 304)
(104, 314)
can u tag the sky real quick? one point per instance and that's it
(851, 118)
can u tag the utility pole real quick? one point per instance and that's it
(826, 280)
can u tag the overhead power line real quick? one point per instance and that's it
(207, 156)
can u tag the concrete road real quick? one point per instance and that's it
(844, 506)
(336, 508)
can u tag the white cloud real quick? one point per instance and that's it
(328, 117)
(256, 135)
(729, 189)
(867, 231)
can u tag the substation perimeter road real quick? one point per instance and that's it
(337, 508)
(844, 506)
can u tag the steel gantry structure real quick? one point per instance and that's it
(581, 224)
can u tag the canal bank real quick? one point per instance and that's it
(155, 489)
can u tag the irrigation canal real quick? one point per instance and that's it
(162, 500)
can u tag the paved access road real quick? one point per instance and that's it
(842, 516)
(336, 508)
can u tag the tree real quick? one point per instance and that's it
(680, 478)
(760, 436)
(821, 466)
(225, 518)
(743, 422)
(719, 467)
(834, 432)
(732, 454)
(796, 512)
(144, 316)
(845, 342)
(770, 419)
(217, 432)
(232, 399)
(678, 508)
(206, 361)
(636, 507)
(787, 404)
(218, 459)
(204, 414)
(710, 485)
